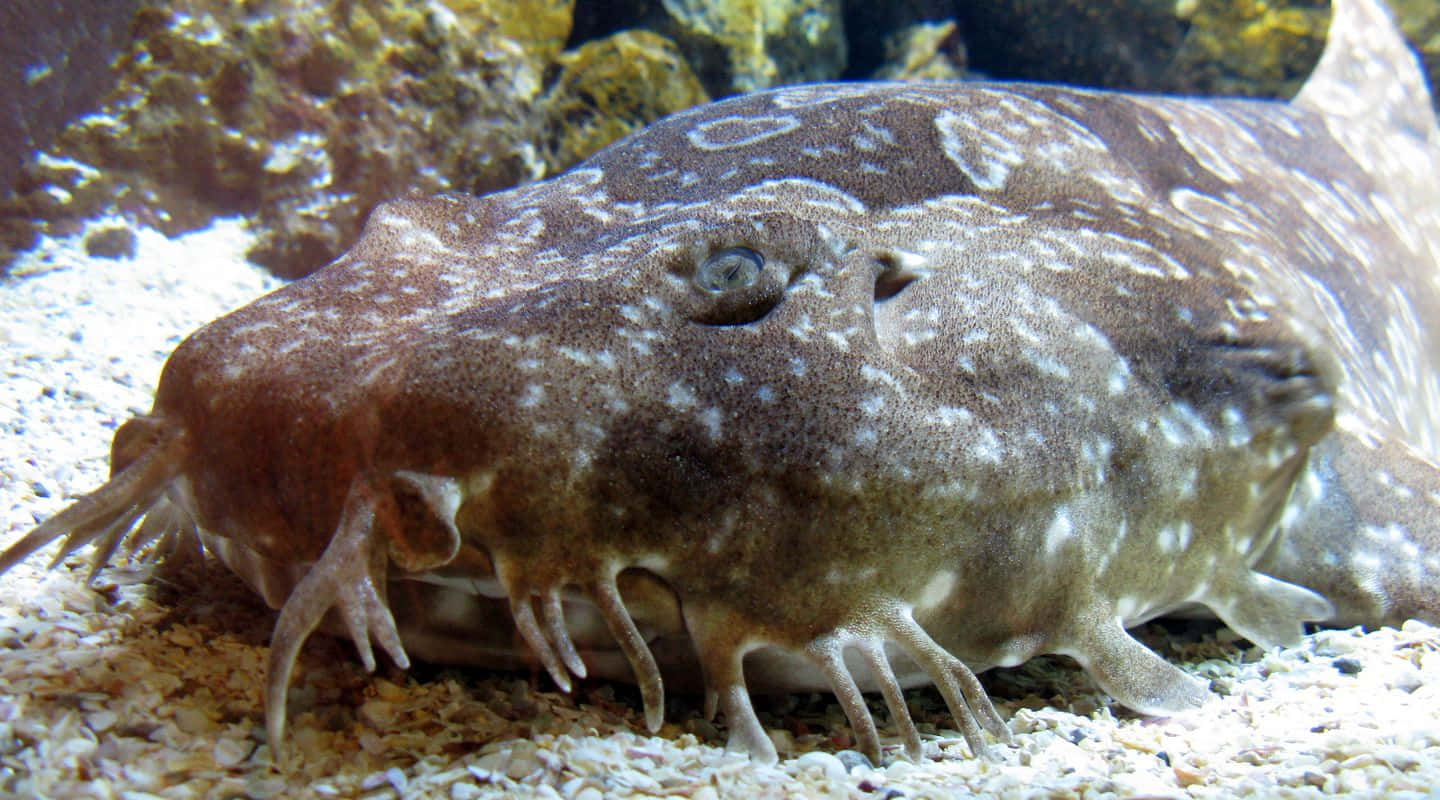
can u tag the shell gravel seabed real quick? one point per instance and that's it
(136, 689)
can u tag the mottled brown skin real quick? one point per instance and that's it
(846, 387)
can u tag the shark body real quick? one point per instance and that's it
(846, 386)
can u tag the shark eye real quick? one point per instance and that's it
(733, 285)
(729, 269)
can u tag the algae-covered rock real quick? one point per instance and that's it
(924, 51)
(906, 39)
(737, 46)
(1248, 47)
(1420, 22)
(303, 116)
(766, 42)
(297, 115)
(611, 87)
(54, 64)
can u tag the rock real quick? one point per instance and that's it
(611, 87)
(54, 64)
(112, 242)
(929, 51)
(301, 118)
(738, 46)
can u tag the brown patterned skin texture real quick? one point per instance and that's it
(847, 387)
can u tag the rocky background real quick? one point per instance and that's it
(301, 115)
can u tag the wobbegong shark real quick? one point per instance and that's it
(849, 387)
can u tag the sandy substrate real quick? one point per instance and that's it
(137, 687)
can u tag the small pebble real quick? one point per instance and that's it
(1408, 680)
(1348, 666)
(101, 721)
(854, 758)
(832, 766)
(112, 243)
